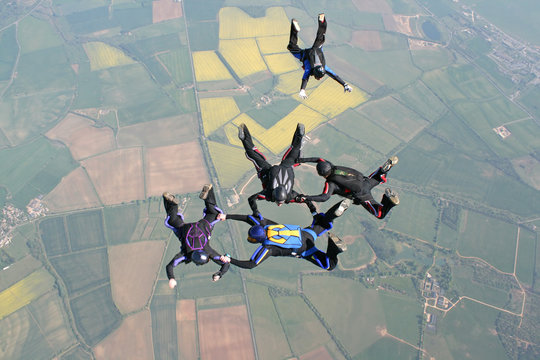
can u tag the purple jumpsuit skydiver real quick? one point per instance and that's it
(194, 237)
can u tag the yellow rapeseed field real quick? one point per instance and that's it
(330, 100)
(208, 67)
(24, 292)
(103, 56)
(243, 56)
(229, 161)
(215, 112)
(289, 83)
(281, 63)
(279, 136)
(274, 44)
(232, 134)
(234, 23)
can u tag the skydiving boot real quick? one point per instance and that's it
(391, 196)
(295, 24)
(389, 163)
(321, 17)
(340, 244)
(301, 129)
(170, 198)
(242, 132)
(169, 202)
(344, 205)
(205, 190)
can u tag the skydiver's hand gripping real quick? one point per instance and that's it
(221, 216)
(303, 94)
(347, 88)
(172, 283)
(300, 198)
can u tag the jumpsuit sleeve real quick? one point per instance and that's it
(261, 254)
(252, 200)
(305, 77)
(334, 76)
(327, 192)
(177, 259)
(214, 255)
(309, 160)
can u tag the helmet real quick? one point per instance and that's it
(324, 168)
(279, 194)
(199, 257)
(256, 234)
(319, 72)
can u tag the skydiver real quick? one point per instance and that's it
(352, 184)
(194, 237)
(277, 180)
(312, 59)
(292, 240)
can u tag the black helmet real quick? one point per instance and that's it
(324, 168)
(279, 194)
(319, 72)
(199, 257)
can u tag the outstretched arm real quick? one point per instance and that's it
(327, 192)
(216, 257)
(252, 201)
(309, 160)
(262, 253)
(334, 76)
(177, 259)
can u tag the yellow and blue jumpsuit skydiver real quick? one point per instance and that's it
(292, 240)
(193, 236)
(351, 184)
(313, 56)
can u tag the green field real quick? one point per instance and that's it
(431, 59)
(421, 100)
(95, 314)
(163, 310)
(303, 330)
(120, 222)
(489, 239)
(269, 334)
(368, 132)
(83, 270)
(466, 332)
(354, 316)
(387, 348)
(526, 258)
(53, 236)
(425, 214)
(85, 230)
(9, 54)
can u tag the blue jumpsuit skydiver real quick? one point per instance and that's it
(293, 240)
(312, 59)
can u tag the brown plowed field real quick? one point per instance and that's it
(224, 333)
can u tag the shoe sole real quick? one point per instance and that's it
(342, 207)
(170, 198)
(296, 25)
(204, 192)
(337, 241)
(301, 129)
(390, 163)
(241, 132)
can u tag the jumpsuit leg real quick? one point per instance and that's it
(328, 260)
(293, 153)
(210, 208)
(293, 42)
(174, 218)
(253, 154)
(321, 31)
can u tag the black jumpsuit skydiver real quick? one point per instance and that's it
(313, 56)
(321, 223)
(272, 176)
(352, 184)
(175, 221)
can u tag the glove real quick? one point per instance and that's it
(347, 88)
(302, 94)
(300, 198)
(216, 276)
(172, 283)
